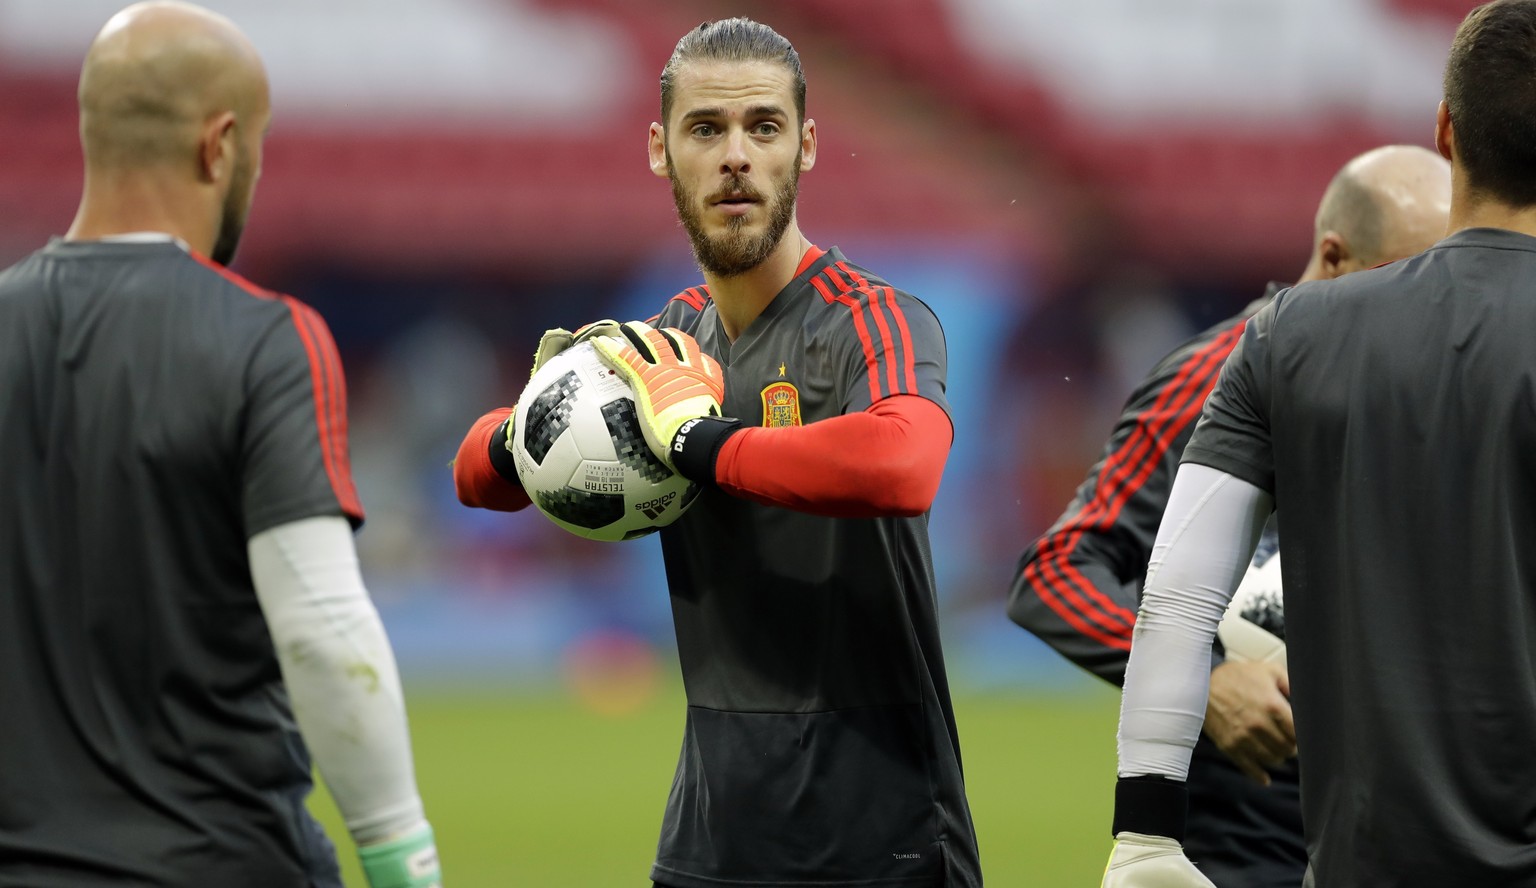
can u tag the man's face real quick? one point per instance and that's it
(733, 149)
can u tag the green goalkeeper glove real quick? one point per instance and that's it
(673, 380)
(407, 861)
(1140, 861)
(555, 341)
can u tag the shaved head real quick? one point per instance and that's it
(155, 73)
(173, 90)
(1387, 204)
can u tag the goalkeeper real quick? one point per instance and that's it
(819, 746)
(183, 616)
(1079, 584)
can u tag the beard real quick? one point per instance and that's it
(237, 206)
(736, 251)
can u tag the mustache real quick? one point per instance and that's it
(736, 187)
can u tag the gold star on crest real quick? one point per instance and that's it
(781, 370)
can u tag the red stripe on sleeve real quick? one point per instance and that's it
(327, 378)
(333, 391)
(1123, 473)
(864, 287)
(909, 360)
(330, 402)
(1050, 585)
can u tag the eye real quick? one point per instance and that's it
(766, 129)
(703, 130)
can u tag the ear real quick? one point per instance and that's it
(1445, 135)
(807, 145)
(1333, 255)
(656, 147)
(216, 148)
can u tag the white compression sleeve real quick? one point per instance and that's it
(1204, 543)
(340, 672)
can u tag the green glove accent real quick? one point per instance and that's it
(555, 341)
(409, 861)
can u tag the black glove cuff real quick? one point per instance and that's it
(501, 457)
(696, 446)
(1151, 805)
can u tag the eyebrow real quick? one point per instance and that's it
(754, 111)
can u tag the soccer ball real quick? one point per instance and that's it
(1254, 625)
(579, 451)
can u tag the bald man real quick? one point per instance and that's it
(1079, 585)
(182, 619)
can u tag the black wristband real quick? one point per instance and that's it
(1152, 805)
(696, 446)
(501, 457)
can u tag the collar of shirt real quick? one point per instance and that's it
(144, 237)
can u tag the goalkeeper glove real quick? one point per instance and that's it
(555, 341)
(673, 380)
(407, 861)
(1140, 861)
(552, 343)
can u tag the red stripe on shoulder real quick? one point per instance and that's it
(327, 378)
(873, 294)
(255, 290)
(330, 402)
(837, 289)
(695, 297)
(809, 258)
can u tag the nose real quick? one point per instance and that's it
(735, 162)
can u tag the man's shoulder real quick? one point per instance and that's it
(837, 288)
(684, 309)
(1200, 353)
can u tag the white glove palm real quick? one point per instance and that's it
(1140, 861)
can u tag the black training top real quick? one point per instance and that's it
(155, 412)
(1392, 413)
(820, 746)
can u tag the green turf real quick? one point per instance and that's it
(535, 790)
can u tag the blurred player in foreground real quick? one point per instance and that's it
(1389, 416)
(820, 745)
(1078, 585)
(174, 518)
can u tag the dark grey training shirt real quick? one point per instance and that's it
(155, 412)
(820, 746)
(1393, 415)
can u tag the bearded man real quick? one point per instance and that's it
(806, 396)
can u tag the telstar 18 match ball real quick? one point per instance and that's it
(579, 451)
(1254, 625)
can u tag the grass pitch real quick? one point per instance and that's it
(528, 790)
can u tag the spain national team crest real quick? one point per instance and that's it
(781, 405)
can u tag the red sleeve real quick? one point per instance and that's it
(884, 461)
(476, 481)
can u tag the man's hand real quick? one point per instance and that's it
(406, 861)
(673, 380)
(1248, 716)
(1139, 861)
(555, 341)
